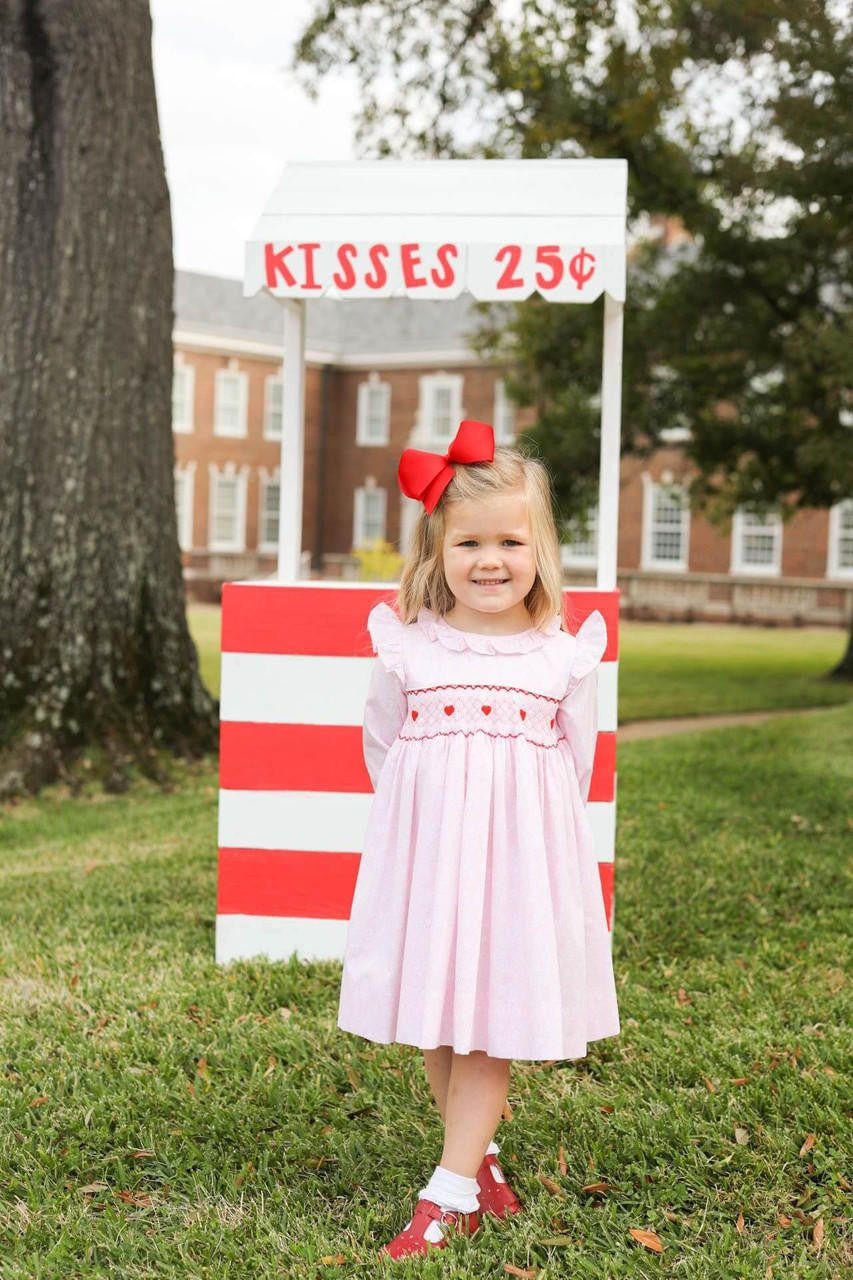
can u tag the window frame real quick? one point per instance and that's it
(429, 384)
(186, 427)
(227, 472)
(358, 540)
(833, 568)
(570, 559)
(243, 406)
(271, 380)
(648, 561)
(503, 408)
(737, 564)
(266, 479)
(362, 416)
(185, 472)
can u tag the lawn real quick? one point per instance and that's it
(680, 669)
(162, 1117)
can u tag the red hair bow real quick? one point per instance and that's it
(426, 475)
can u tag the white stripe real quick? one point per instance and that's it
(277, 688)
(240, 937)
(284, 688)
(336, 821)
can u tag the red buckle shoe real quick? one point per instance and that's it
(428, 1229)
(496, 1195)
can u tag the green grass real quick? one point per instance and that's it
(678, 669)
(162, 1117)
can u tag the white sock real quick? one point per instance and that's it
(451, 1190)
(492, 1149)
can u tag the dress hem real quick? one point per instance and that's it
(478, 1048)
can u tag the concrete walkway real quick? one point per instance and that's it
(692, 724)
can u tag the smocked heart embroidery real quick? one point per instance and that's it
(522, 713)
(485, 710)
(414, 715)
(448, 711)
(552, 724)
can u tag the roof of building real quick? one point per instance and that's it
(215, 305)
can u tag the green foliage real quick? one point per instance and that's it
(735, 120)
(378, 561)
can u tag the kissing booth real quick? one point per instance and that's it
(296, 657)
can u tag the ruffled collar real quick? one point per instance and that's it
(452, 638)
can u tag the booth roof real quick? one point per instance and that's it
(215, 305)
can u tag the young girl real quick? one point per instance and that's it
(477, 931)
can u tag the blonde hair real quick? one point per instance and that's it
(422, 581)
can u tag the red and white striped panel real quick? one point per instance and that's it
(294, 791)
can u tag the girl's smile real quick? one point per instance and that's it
(489, 563)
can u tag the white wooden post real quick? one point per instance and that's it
(611, 422)
(292, 443)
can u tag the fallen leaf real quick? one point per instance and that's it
(739, 1080)
(40, 1101)
(92, 1188)
(817, 1234)
(739, 1223)
(606, 1109)
(333, 1259)
(201, 1067)
(139, 1199)
(709, 1085)
(550, 1185)
(647, 1238)
(353, 1077)
(564, 1168)
(141, 1155)
(526, 1273)
(506, 1114)
(594, 1187)
(808, 1144)
(741, 1137)
(783, 1219)
(683, 997)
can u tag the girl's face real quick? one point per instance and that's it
(489, 559)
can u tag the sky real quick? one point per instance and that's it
(231, 117)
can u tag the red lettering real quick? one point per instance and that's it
(548, 255)
(508, 280)
(308, 250)
(275, 262)
(381, 276)
(345, 253)
(444, 251)
(409, 255)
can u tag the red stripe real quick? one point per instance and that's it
(321, 757)
(291, 757)
(601, 785)
(605, 875)
(331, 621)
(317, 886)
(286, 882)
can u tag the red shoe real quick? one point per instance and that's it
(496, 1195)
(428, 1229)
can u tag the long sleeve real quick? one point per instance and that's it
(577, 714)
(384, 714)
(577, 718)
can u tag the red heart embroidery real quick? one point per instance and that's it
(522, 713)
(552, 724)
(414, 715)
(485, 710)
(448, 711)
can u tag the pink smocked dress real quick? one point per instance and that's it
(478, 919)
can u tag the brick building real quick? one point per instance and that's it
(384, 376)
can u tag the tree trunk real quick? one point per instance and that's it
(843, 669)
(94, 645)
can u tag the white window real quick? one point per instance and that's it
(184, 486)
(227, 516)
(183, 387)
(373, 415)
(581, 544)
(231, 398)
(840, 558)
(368, 515)
(440, 408)
(756, 542)
(268, 506)
(503, 415)
(273, 394)
(666, 525)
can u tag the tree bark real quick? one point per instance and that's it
(94, 644)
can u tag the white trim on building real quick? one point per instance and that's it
(839, 557)
(579, 549)
(439, 407)
(226, 528)
(503, 414)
